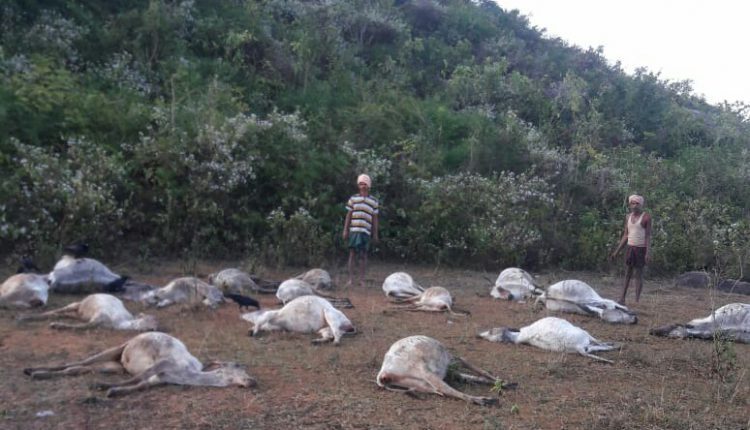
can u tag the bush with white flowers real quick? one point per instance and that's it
(474, 217)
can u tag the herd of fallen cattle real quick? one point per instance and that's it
(412, 364)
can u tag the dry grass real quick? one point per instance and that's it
(654, 382)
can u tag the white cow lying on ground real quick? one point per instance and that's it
(187, 290)
(85, 276)
(306, 314)
(293, 288)
(578, 297)
(515, 284)
(233, 281)
(400, 285)
(552, 334)
(731, 321)
(421, 364)
(433, 299)
(153, 359)
(319, 279)
(24, 290)
(98, 310)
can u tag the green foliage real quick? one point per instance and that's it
(467, 216)
(296, 239)
(61, 197)
(221, 127)
(594, 240)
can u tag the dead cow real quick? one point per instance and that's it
(401, 285)
(306, 314)
(578, 297)
(319, 279)
(421, 364)
(234, 281)
(433, 299)
(84, 275)
(24, 290)
(293, 288)
(515, 284)
(97, 310)
(731, 321)
(552, 334)
(152, 359)
(187, 291)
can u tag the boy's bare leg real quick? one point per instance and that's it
(628, 275)
(638, 283)
(350, 266)
(362, 269)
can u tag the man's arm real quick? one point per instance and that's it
(375, 225)
(347, 221)
(623, 240)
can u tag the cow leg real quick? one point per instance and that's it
(68, 326)
(465, 377)
(477, 370)
(263, 323)
(600, 346)
(66, 311)
(585, 353)
(327, 335)
(406, 383)
(68, 371)
(336, 325)
(446, 390)
(403, 299)
(164, 303)
(111, 354)
(590, 310)
(153, 370)
(110, 367)
(119, 391)
(429, 383)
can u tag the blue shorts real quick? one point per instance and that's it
(359, 242)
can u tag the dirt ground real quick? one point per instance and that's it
(653, 383)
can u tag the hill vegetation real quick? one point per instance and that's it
(231, 128)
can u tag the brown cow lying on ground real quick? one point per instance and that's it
(421, 363)
(152, 359)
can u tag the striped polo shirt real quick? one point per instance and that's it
(363, 209)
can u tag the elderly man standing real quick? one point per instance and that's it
(637, 234)
(361, 223)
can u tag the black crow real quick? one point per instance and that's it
(243, 301)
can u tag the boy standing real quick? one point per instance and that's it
(637, 234)
(360, 225)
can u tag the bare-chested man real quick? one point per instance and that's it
(637, 235)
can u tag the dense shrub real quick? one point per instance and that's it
(229, 127)
(55, 197)
(296, 239)
(466, 216)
